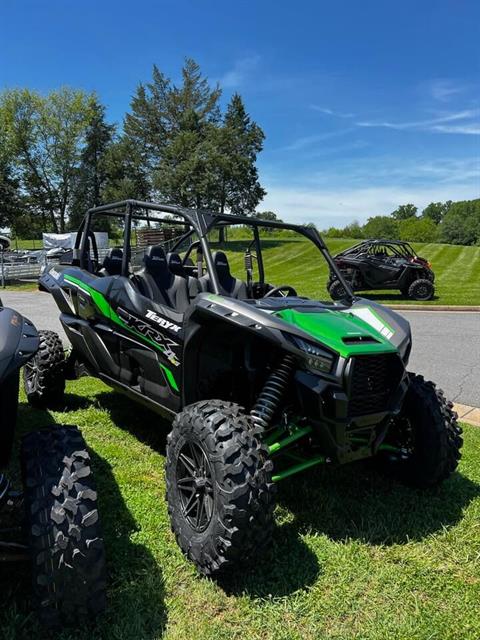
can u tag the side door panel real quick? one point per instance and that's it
(88, 325)
(150, 344)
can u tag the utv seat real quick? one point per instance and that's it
(229, 286)
(157, 282)
(112, 263)
(176, 267)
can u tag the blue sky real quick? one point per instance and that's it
(365, 104)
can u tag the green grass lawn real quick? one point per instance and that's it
(297, 262)
(354, 556)
(20, 286)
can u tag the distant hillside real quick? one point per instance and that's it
(298, 263)
(447, 222)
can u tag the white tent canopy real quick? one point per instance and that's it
(67, 240)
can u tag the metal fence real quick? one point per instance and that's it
(20, 271)
(29, 265)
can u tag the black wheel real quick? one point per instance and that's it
(427, 435)
(337, 291)
(68, 558)
(8, 413)
(44, 374)
(219, 489)
(421, 289)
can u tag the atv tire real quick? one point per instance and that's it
(427, 435)
(219, 489)
(337, 291)
(421, 289)
(66, 547)
(44, 374)
(8, 413)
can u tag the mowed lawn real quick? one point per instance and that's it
(297, 262)
(354, 555)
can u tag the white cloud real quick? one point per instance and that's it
(391, 171)
(331, 112)
(433, 124)
(467, 129)
(239, 73)
(327, 207)
(444, 89)
(307, 141)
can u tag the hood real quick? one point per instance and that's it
(348, 332)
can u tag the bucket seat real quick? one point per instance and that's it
(229, 286)
(157, 282)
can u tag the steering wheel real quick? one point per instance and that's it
(279, 291)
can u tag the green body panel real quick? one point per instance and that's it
(99, 299)
(330, 327)
(106, 310)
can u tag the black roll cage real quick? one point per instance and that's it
(401, 248)
(200, 222)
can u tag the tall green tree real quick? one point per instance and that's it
(404, 211)
(126, 176)
(92, 174)
(168, 126)
(46, 135)
(10, 196)
(148, 125)
(415, 229)
(238, 142)
(194, 94)
(461, 223)
(381, 227)
(436, 210)
(184, 175)
(185, 151)
(185, 171)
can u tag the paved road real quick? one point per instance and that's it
(446, 349)
(37, 307)
(446, 345)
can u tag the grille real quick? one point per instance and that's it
(373, 380)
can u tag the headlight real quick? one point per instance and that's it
(317, 359)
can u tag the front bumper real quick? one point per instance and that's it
(341, 436)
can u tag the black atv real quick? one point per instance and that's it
(383, 264)
(259, 381)
(54, 523)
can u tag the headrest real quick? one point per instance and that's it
(221, 264)
(112, 262)
(175, 264)
(155, 260)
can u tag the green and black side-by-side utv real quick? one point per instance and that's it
(261, 382)
(54, 522)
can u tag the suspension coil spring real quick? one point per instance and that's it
(269, 399)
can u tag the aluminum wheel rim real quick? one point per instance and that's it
(194, 481)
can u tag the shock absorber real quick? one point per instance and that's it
(271, 395)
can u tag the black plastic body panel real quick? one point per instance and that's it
(18, 341)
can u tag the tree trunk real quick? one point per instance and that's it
(53, 221)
